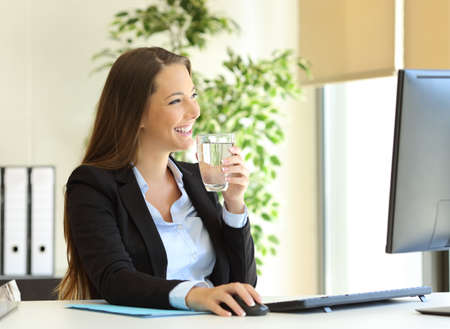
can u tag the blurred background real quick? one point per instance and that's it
(333, 185)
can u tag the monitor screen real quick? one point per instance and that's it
(419, 203)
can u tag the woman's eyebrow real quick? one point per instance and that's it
(178, 93)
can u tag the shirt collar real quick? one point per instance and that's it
(173, 168)
(176, 172)
(140, 180)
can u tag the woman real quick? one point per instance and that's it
(141, 229)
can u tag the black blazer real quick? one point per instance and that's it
(120, 248)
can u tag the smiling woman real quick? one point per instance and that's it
(141, 229)
(125, 101)
(167, 123)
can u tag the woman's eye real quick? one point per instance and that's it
(194, 95)
(175, 101)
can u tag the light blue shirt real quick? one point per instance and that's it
(190, 254)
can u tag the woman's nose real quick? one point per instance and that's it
(194, 109)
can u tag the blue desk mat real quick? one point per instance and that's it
(133, 311)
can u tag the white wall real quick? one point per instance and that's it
(48, 98)
(48, 103)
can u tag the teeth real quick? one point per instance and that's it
(184, 129)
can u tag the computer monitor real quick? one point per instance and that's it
(419, 206)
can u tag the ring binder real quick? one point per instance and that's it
(27, 220)
(42, 183)
(15, 221)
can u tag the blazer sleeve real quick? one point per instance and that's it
(240, 250)
(97, 240)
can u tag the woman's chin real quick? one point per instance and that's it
(185, 145)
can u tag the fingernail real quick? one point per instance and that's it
(243, 314)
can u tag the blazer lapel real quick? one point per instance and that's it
(135, 204)
(200, 200)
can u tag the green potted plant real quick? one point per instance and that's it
(243, 101)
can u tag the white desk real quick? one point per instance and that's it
(392, 314)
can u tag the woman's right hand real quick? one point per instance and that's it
(209, 299)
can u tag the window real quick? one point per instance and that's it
(358, 136)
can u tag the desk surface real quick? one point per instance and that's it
(399, 313)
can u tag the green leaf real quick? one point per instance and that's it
(263, 250)
(132, 20)
(273, 139)
(275, 161)
(121, 14)
(261, 117)
(260, 150)
(270, 124)
(272, 238)
(256, 228)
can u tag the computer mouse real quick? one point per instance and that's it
(258, 309)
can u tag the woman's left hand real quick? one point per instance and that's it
(237, 176)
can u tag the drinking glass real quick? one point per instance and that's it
(211, 150)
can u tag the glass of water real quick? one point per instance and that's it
(211, 150)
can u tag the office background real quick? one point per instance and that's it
(48, 104)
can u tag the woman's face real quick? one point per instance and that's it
(172, 110)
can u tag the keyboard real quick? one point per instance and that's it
(326, 302)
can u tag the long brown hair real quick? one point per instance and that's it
(114, 138)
